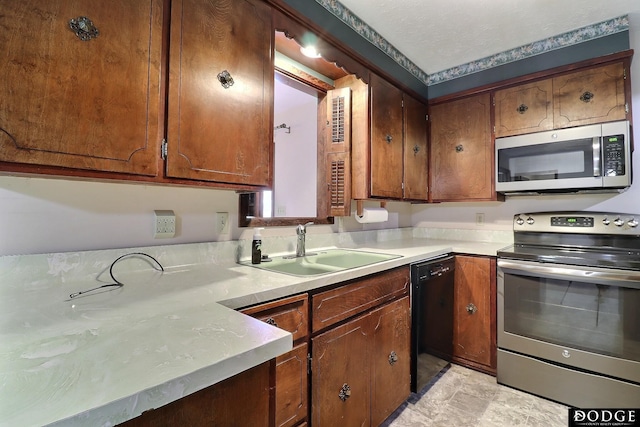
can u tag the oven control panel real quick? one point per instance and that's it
(572, 221)
(578, 222)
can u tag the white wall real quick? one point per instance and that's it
(296, 156)
(499, 215)
(40, 215)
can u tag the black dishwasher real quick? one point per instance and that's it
(431, 318)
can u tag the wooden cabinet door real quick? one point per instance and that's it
(85, 104)
(386, 139)
(390, 358)
(340, 386)
(218, 131)
(592, 96)
(416, 155)
(524, 109)
(461, 157)
(291, 386)
(474, 311)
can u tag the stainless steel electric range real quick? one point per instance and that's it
(569, 308)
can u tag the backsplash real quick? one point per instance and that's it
(92, 266)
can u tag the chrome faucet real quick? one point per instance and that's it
(301, 231)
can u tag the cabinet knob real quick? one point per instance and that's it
(471, 308)
(83, 28)
(393, 358)
(345, 392)
(587, 96)
(389, 138)
(225, 79)
(459, 148)
(416, 149)
(271, 321)
(522, 109)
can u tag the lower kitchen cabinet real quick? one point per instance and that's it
(340, 387)
(360, 369)
(292, 384)
(291, 377)
(222, 405)
(474, 321)
(390, 367)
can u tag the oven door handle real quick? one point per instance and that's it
(603, 276)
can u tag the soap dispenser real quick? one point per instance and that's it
(256, 247)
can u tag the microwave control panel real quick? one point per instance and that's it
(613, 148)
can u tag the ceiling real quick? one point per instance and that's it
(440, 34)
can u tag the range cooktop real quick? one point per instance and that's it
(592, 239)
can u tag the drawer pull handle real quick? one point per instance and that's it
(586, 97)
(225, 79)
(522, 108)
(83, 28)
(271, 321)
(459, 148)
(389, 138)
(393, 358)
(345, 392)
(471, 308)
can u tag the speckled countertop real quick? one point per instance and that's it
(105, 357)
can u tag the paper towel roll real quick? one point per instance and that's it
(370, 215)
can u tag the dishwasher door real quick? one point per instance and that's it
(431, 319)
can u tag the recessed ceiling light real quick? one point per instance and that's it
(310, 52)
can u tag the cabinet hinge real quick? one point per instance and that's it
(309, 360)
(426, 117)
(624, 73)
(626, 107)
(163, 149)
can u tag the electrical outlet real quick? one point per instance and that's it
(164, 225)
(281, 211)
(222, 222)
(479, 218)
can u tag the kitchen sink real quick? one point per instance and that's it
(323, 262)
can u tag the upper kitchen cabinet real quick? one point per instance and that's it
(80, 84)
(595, 95)
(588, 96)
(416, 152)
(389, 143)
(461, 151)
(386, 139)
(524, 109)
(220, 122)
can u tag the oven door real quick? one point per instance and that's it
(582, 317)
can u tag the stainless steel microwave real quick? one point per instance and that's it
(593, 157)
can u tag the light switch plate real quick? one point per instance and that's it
(222, 222)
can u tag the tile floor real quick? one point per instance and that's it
(462, 397)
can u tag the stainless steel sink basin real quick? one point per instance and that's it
(323, 262)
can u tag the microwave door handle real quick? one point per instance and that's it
(597, 156)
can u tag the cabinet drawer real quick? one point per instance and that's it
(338, 304)
(290, 314)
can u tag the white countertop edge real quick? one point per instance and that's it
(132, 406)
